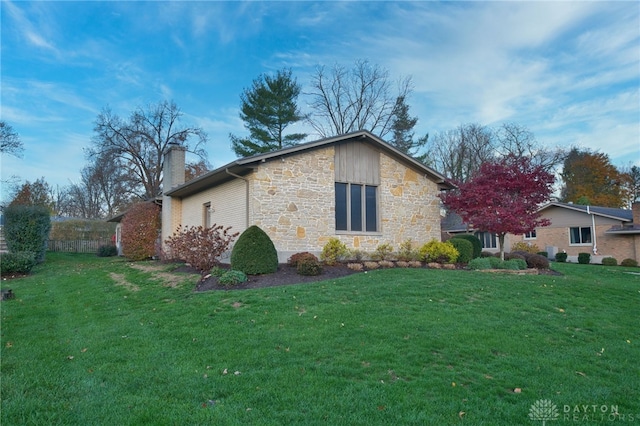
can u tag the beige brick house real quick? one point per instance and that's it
(601, 231)
(355, 187)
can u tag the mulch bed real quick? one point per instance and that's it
(285, 275)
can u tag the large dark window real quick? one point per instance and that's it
(580, 235)
(356, 207)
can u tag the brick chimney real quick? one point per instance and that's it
(635, 209)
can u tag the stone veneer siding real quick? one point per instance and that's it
(292, 199)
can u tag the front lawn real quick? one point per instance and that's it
(97, 341)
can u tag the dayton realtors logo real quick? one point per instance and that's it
(545, 410)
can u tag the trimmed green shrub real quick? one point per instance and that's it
(487, 254)
(512, 255)
(584, 258)
(309, 266)
(543, 253)
(475, 242)
(356, 255)
(465, 249)
(480, 263)
(217, 271)
(107, 250)
(439, 252)
(496, 262)
(334, 251)
(610, 261)
(27, 229)
(383, 252)
(629, 262)
(254, 253)
(19, 262)
(521, 264)
(561, 257)
(140, 230)
(232, 277)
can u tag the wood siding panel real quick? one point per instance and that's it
(357, 162)
(228, 202)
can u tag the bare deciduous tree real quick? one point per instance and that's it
(141, 140)
(519, 142)
(10, 142)
(346, 100)
(459, 153)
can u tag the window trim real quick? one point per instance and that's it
(364, 217)
(530, 235)
(581, 243)
(494, 238)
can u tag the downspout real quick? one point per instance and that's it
(246, 209)
(593, 226)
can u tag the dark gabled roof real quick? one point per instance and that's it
(244, 166)
(627, 229)
(617, 214)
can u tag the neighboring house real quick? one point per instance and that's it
(355, 187)
(452, 225)
(600, 231)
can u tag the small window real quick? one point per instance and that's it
(530, 235)
(356, 207)
(487, 239)
(580, 235)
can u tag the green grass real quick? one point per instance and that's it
(82, 345)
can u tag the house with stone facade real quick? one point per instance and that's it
(354, 187)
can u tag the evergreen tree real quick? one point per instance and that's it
(402, 128)
(267, 108)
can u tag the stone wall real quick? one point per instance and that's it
(292, 199)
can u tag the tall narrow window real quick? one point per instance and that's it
(356, 207)
(371, 202)
(341, 207)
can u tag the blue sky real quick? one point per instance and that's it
(569, 71)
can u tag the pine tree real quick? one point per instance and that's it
(403, 134)
(267, 108)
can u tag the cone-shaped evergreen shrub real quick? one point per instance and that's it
(254, 253)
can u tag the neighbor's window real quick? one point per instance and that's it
(580, 235)
(530, 235)
(487, 239)
(356, 207)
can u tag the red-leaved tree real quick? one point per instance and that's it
(503, 197)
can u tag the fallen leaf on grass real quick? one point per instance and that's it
(9, 344)
(580, 373)
(70, 357)
(461, 414)
(517, 390)
(83, 350)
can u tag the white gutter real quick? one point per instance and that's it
(593, 226)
